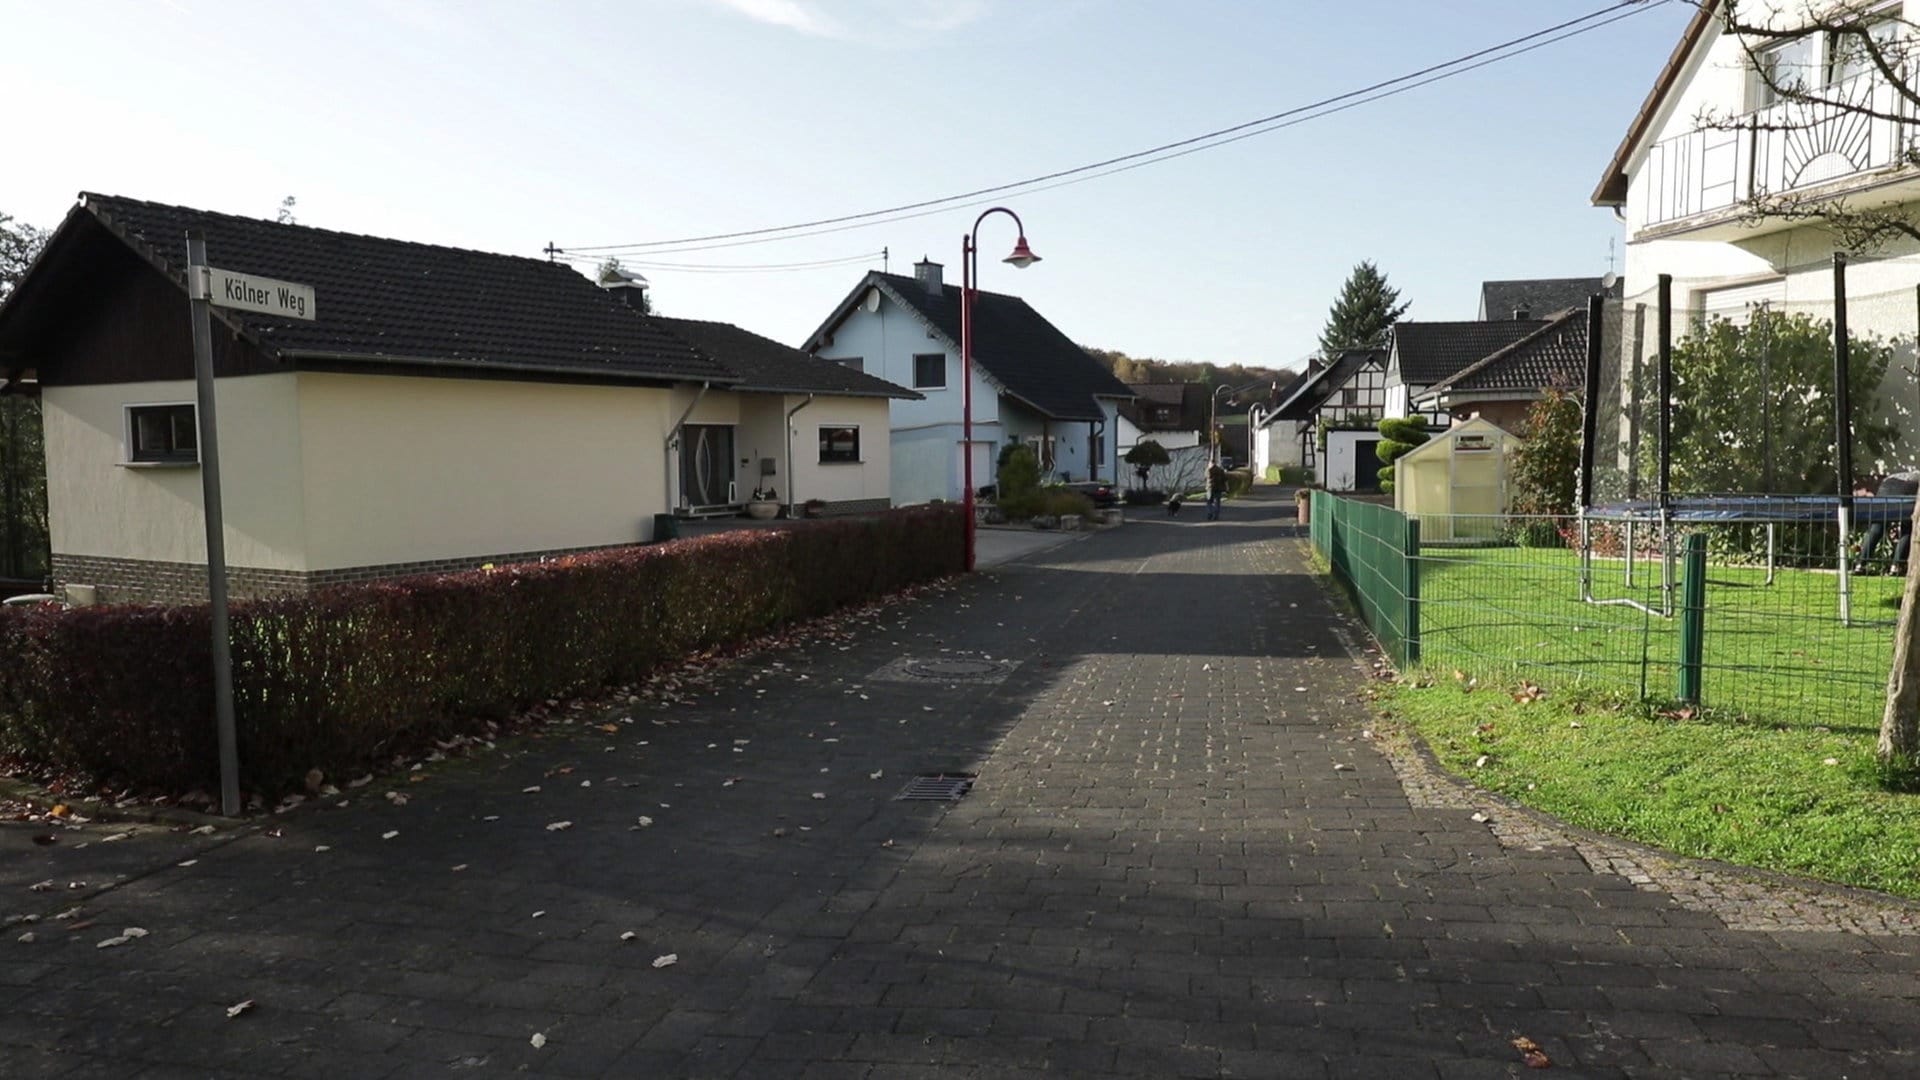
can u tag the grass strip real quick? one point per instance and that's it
(1802, 799)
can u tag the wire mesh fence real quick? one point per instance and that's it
(1777, 630)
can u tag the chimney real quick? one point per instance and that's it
(929, 274)
(630, 287)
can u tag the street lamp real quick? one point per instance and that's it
(1213, 423)
(1021, 258)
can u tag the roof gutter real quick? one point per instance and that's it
(488, 365)
(792, 473)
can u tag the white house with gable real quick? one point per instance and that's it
(1031, 384)
(1711, 138)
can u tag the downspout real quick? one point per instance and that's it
(793, 473)
(673, 440)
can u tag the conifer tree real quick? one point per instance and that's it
(1367, 308)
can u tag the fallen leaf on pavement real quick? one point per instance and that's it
(1531, 1054)
(559, 826)
(819, 794)
(538, 1040)
(242, 1007)
(628, 936)
(390, 834)
(204, 830)
(668, 960)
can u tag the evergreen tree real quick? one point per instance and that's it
(1366, 310)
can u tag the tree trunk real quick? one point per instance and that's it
(1900, 724)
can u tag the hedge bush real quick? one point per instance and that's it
(344, 678)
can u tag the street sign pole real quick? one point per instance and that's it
(197, 279)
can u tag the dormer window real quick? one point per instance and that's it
(1848, 57)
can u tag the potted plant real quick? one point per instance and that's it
(764, 504)
(814, 507)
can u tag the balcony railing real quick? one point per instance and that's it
(1786, 147)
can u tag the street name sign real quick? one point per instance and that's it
(268, 296)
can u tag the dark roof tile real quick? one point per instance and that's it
(1555, 355)
(766, 365)
(1538, 297)
(1427, 352)
(390, 301)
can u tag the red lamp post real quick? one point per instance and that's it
(1021, 258)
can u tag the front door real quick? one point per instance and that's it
(706, 466)
(1366, 465)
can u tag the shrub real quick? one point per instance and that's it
(343, 679)
(1019, 476)
(1398, 436)
(1059, 502)
(1143, 497)
(1239, 482)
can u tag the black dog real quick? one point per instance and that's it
(1173, 503)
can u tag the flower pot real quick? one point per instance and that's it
(763, 509)
(1303, 505)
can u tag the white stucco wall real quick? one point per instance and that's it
(1880, 284)
(401, 469)
(841, 482)
(99, 506)
(1341, 469)
(886, 341)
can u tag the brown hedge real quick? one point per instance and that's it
(346, 677)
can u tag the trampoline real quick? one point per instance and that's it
(1669, 510)
(1770, 511)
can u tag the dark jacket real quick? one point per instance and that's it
(1216, 480)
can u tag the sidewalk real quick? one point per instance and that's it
(1180, 859)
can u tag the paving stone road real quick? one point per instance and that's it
(1180, 859)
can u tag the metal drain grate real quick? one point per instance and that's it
(946, 670)
(936, 787)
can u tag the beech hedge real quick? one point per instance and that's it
(344, 678)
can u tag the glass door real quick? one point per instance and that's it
(706, 466)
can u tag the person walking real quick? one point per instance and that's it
(1216, 490)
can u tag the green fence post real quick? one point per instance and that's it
(1693, 617)
(1411, 646)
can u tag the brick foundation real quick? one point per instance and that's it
(145, 581)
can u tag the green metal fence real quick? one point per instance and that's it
(1374, 551)
(1745, 620)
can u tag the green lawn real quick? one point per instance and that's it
(1755, 794)
(1776, 654)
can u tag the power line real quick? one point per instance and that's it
(1208, 140)
(1290, 121)
(741, 268)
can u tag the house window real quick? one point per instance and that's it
(162, 434)
(1350, 395)
(1788, 65)
(857, 363)
(1849, 58)
(930, 371)
(839, 445)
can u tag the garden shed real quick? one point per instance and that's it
(1456, 483)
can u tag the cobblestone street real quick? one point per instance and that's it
(1180, 858)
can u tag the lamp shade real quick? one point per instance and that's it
(1023, 255)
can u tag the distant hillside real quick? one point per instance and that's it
(1142, 369)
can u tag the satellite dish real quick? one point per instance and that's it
(872, 301)
(1608, 281)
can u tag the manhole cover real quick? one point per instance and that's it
(946, 670)
(952, 669)
(936, 787)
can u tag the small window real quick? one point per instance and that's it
(930, 371)
(1349, 395)
(162, 433)
(839, 444)
(857, 363)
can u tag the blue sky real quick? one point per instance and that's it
(503, 126)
